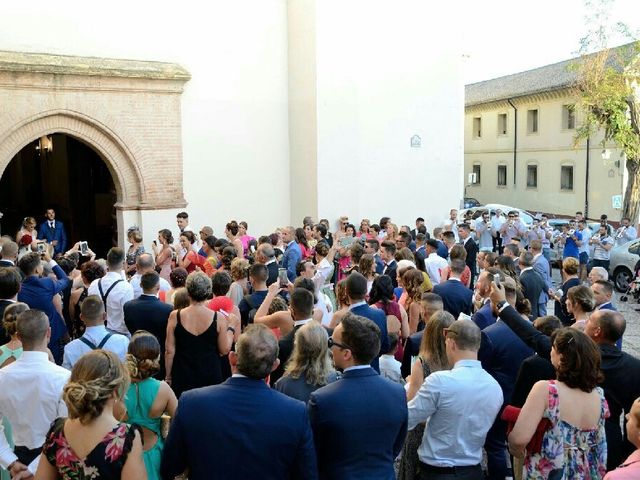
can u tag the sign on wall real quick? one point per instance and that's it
(616, 202)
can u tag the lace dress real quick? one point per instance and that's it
(105, 461)
(567, 451)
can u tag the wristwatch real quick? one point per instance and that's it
(501, 304)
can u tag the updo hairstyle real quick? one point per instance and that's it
(10, 319)
(143, 355)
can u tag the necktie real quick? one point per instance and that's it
(52, 225)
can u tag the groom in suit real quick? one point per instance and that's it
(53, 232)
(242, 428)
(456, 297)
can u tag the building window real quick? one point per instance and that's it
(568, 117)
(502, 175)
(532, 176)
(532, 121)
(502, 124)
(476, 174)
(477, 127)
(566, 177)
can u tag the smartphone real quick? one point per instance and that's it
(173, 255)
(282, 277)
(41, 248)
(496, 280)
(155, 242)
(84, 248)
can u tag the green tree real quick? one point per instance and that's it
(607, 86)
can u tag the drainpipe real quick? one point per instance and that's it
(586, 182)
(515, 138)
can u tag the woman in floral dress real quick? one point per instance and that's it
(575, 445)
(91, 443)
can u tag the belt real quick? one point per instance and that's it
(26, 455)
(425, 467)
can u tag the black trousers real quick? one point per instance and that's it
(430, 472)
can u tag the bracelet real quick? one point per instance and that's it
(231, 329)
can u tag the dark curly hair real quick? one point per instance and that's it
(91, 271)
(579, 366)
(178, 277)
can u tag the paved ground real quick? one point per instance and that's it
(631, 339)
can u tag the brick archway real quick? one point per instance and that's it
(117, 156)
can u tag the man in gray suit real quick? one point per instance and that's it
(541, 265)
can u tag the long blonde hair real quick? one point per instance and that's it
(310, 355)
(432, 347)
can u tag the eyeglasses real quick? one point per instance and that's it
(342, 346)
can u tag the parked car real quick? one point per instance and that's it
(623, 263)
(470, 202)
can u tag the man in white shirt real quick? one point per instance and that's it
(114, 290)
(451, 223)
(434, 262)
(484, 232)
(584, 248)
(145, 264)
(625, 233)
(31, 396)
(459, 406)
(95, 336)
(497, 220)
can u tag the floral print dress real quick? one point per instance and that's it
(105, 461)
(567, 451)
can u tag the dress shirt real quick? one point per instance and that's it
(484, 235)
(625, 235)
(52, 224)
(121, 294)
(433, 264)
(390, 368)
(525, 269)
(358, 304)
(31, 400)
(137, 289)
(460, 405)
(586, 235)
(299, 323)
(629, 470)
(356, 367)
(73, 350)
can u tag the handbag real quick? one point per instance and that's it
(510, 415)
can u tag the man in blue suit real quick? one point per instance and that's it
(52, 231)
(359, 422)
(357, 291)
(541, 265)
(292, 254)
(38, 293)
(371, 246)
(456, 297)
(242, 428)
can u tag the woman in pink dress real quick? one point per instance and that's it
(164, 252)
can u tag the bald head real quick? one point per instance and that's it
(145, 263)
(606, 326)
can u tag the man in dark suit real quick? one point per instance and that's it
(541, 265)
(419, 226)
(532, 282)
(148, 313)
(242, 427)
(602, 293)
(357, 292)
(421, 249)
(484, 315)
(501, 354)
(429, 304)
(38, 293)
(266, 255)
(456, 297)
(301, 307)
(52, 231)
(621, 383)
(464, 231)
(9, 288)
(371, 246)
(8, 253)
(360, 421)
(387, 254)
(292, 254)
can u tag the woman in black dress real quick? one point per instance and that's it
(196, 338)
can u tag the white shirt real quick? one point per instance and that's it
(452, 225)
(390, 369)
(137, 289)
(73, 350)
(433, 264)
(121, 294)
(299, 323)
(31, 399)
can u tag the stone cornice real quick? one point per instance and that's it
(543, 96)
(23, 62)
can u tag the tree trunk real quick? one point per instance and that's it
(631, 205)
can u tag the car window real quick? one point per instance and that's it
(635, 248)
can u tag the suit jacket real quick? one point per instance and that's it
(359, 425)
(501, 354)
(621, 384)
(51, 234)
(149, 313)
(390, 270)
(379, 264)
(532, 370)
(472, 252)
(442, 250)
(455, 297)
(484, 316)
(541, 265)
(240, 428)
(378, 317)
(532, 288)
(6, 263)
(411, 349)
(272, 269)
(290, 259)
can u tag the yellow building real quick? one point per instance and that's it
(519, 142)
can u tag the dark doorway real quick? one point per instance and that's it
(72, 179)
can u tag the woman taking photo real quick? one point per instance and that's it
(232, 231)
(191, 260)
(147, 399)
(164, 253)
(570, 269)
(580, 304)
(575, 445)
(310, 365)
(196, 339)
(91, 443)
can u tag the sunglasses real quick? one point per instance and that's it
(342, 346)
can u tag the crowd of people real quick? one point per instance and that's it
(369, 352)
